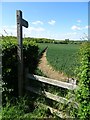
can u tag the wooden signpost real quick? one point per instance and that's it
(20, 22)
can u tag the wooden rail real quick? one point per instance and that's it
(48, 95)
(42, 92)
(52, 82)
(58, 113)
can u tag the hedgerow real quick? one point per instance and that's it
(10, 63)
(83, 91)
(79, 107)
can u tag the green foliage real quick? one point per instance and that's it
(40, 40)
(23, 109)
(83, 91)
(62, 57)
(45, 40)
(30, 54)
(12, 112)
(10, 63)
(39, 72)
(71, 106)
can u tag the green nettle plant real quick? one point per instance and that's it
(83, 91)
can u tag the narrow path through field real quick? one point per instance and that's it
(49, 71)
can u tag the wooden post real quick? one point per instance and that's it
(26, 79)
(20, 22)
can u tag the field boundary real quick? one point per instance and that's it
(44, 93)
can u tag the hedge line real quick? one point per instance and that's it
(83, 92)
(10, 63)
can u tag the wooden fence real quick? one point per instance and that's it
(52, 82)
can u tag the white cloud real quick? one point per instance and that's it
(86, 27)
(71, 33)
(41, 32)
(52, 22)
(36, 29)
(9, 30)
(74, 27)
(79, 21)
(37, 22)
(12, 30)
(77, 27)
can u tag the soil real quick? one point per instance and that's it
(49, 71)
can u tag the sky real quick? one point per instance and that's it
(54, 20)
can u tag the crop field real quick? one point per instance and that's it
(62, 57)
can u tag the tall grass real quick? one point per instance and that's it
(23, 109)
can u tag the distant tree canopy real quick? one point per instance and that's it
(46, 40)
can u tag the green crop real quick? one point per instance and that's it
(62, 57)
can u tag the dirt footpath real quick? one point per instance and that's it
(49, 71)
